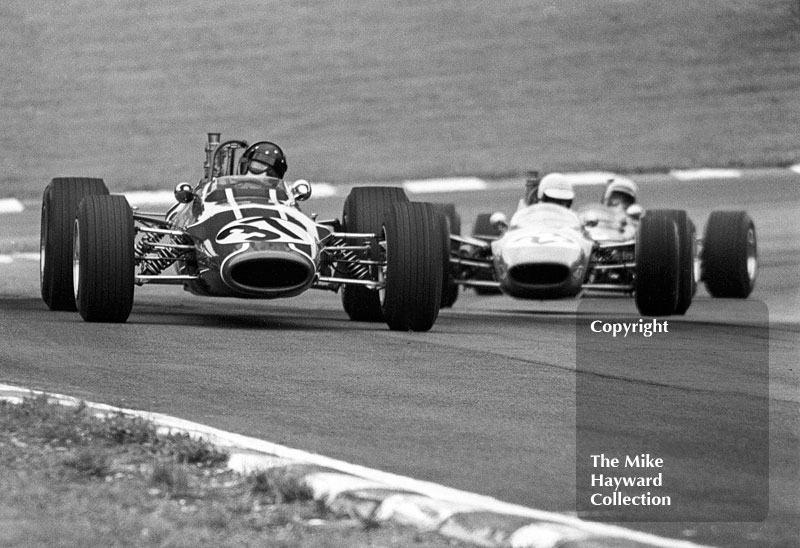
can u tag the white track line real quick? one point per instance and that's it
(448, 184)
(426, 186)
(592, 177)
(323, 190)
(707, 173)
(11, 205)
(146, 197)
(9, 258)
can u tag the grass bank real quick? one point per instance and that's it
(69, 478)
(365, 90)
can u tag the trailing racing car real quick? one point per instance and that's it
(239, 235)
(546, 251)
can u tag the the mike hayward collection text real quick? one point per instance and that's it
(609, 479)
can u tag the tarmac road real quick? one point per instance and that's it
(485, 402)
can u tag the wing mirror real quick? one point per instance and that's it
(184, 193)
(634, 211)
(301, 190)
(499, 221)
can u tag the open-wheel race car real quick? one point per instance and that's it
(547, 251)
(239, 235)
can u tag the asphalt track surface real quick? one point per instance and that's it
(485, 402)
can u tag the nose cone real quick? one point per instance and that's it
(550, 271)
(268, 273)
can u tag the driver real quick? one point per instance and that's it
(555, 188)
(620, 194)
(263, 159)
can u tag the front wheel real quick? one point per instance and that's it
(364, 211)
(103, 259)
(730, 254)
(414, 247)
(657, 284)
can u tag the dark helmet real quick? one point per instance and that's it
(263, 157)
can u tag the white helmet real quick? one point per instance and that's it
(622, 191)
(556, 188)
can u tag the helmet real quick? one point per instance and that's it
(263, 157)
(557, 189)
(622, 192)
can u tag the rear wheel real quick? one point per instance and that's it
(687, 285)
(451, 225)
(414, 247)
(364, 211)
(484, 230)
(59, 205)
(657, 265)
(103, 261)
(730, 254)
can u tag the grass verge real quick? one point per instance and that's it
(70, 478)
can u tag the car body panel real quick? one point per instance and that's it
(241, 226)
(544, 254)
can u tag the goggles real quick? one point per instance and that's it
(260, 163)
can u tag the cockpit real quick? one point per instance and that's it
(239, 189)
(552, 215)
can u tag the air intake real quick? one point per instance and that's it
(268, 273)
(539, 274)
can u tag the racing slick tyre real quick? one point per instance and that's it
(414, 247)
(483, 230)
(104, 259)
(59, 204)
(687, 285)
(452, 225)
(364, 211)
(658, 266)
(730, 255)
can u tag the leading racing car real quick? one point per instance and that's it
(236, 234)
(547, 251)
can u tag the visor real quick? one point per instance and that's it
(257, 167)
(260, 163)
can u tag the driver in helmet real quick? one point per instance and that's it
(263, 159)
(620, 194)
(555, 188)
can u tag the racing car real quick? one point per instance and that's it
(238, 235)
(547, 251)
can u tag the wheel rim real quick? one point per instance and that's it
(76, 254)
(382, 270)
(42, 246)
(752, 259)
